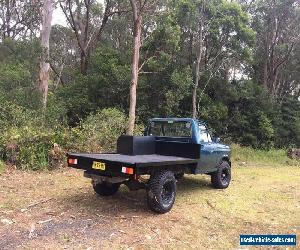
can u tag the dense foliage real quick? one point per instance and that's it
(248, 89)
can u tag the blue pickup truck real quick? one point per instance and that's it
(170, 148)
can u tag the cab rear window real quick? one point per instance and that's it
(170, 129)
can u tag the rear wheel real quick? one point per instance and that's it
(105, 188)
(161, 191)
(222, 177)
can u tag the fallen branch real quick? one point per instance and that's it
(118, 217)
(44, 221)
(39, 202)
(212, 206)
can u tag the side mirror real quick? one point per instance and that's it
(217, 139)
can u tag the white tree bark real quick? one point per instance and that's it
(137, 20)
(198, 65)
(47, 11)
(197, 72)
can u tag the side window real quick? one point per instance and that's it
(204, 134)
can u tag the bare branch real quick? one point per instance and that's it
(145, 61)
(74, 26)
(57, 74)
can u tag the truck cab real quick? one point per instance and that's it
(189, 130)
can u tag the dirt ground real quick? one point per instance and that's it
(59, 210)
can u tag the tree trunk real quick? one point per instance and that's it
(265, 73)
(197, 70)
(6, 33)
(44, 63)
(191, 60)
(83, 63)
(137, 18)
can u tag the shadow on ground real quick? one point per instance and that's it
(124, 201)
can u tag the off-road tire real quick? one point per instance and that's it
(106, 189)
(161, 191)
(222, 177)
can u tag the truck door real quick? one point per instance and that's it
(207, 160)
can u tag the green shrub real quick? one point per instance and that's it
(24, 140)
(288, 123)
(2, 166)
(99, 132)
(29, 147)
(28, 144)
(271, 157)
(17, 85)
(12, 115)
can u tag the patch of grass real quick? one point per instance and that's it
(260, 200)
(256, 194)
(272, 157)
(2, 167)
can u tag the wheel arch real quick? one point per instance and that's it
(227, 159)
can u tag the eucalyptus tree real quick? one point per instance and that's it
(63, 57)
(137, 30)
(88, 18)
(139, 8)
(44, 74)
(19, 19)
(216, 38)
(277, 23)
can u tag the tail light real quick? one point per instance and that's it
(72, 161)
(127, 170)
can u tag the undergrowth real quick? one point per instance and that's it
(248, 155)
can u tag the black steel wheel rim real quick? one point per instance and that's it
(167, 192)
(225, 175)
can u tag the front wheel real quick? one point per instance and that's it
(161, 191)
(222, 177)
(105, 188)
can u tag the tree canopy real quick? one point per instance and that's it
(234, 64)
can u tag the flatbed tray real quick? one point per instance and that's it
(136, 160)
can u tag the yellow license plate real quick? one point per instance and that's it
(98, 165)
